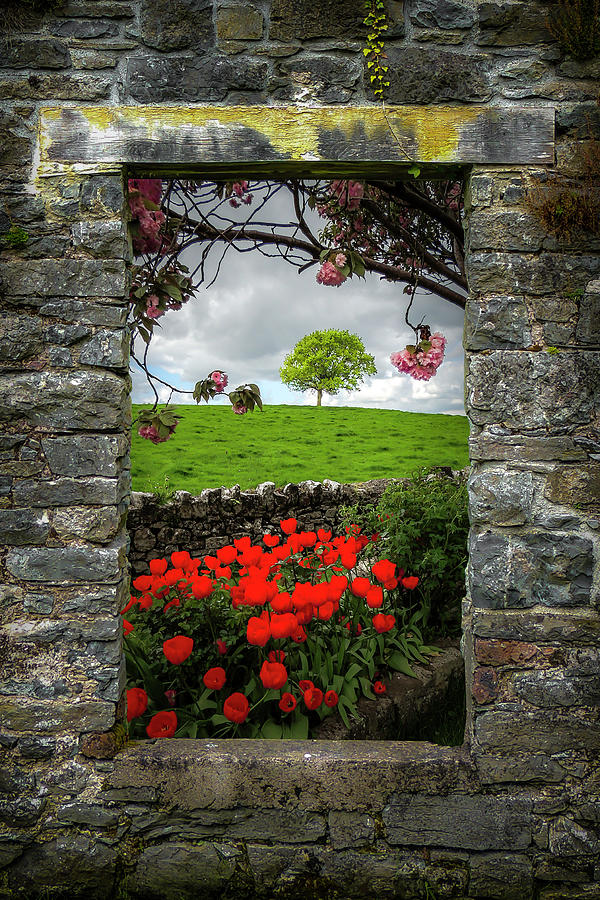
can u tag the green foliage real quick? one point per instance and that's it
(424, 525)
(374, 51)
(296, 443)
(575, 24)
(327, 361)
(162, 490)
(569, 205)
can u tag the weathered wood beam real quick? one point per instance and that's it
(284, 138)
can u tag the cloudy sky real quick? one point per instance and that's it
(258, 309)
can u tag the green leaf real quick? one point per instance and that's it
(354, 669)
(297, 729)
(414, 170)
(400, 663)
(271, 730)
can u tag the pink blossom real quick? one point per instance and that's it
(149, 187)
(330, 275)
(340, 260)
(348, 193)
(239, 409)
(219, 380)
(421, 364)
(150, 432)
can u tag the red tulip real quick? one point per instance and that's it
(284, 625)
(181, 559)
(313, 698)
(158, 566)
(177, 649)
(127, 627)
(273, 675)
(258, 631)
(143, 582)
(288, 526)
(202, 587)
(287, 702)
(162, 725)
(282, 603)
(330, 698)
(305, 685)
(221, 647)
(236, 708)
(270, 540)
(360, 586)
(410, 583)
(137, 703)
(384, 570)
(215, 678)
(383, 623)
(299, 635)
(276, 656)
(226, 555)
(379, 687)
(374, 598)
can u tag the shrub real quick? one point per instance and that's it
(423, 524)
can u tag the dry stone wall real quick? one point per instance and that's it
(515, 813)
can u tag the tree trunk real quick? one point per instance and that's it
(319, 395)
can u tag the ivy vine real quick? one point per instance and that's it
(376, 22)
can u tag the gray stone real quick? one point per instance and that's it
(177, 24)
(583, 661)
(71, 491)
(107, 348)
(530, 767)
(567, 838)
(490, 445)
(533, 390)
(562, 627)
(496, 323)
(99, 525)
(37, 747)
(20, 338)
(175, 869)
(459, 821)
(49, 716)
(456, 77)
(83, 29)
(87, 401)
(498, 496)
(96, 313)
(239, 22)
(69, 862)
(588, 327)
(515, 273)
(301, 20)
(104, 239)
(87, 814)
(546, 689)
(60, 86)
(19, 527)
(510, 230)
(83, 455)
(152, 80)
(348, 829)
(67, 564)
(500, 876)
(65, 334)
(442, 14)
(549, 731)
(506, 24)
(330, 80)
(101, 195)
(520, 571)
(65, 278)
(45, 53)
(25, 811)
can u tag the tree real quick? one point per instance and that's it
(327, 361)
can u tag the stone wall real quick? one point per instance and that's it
(513, 814)
(205, 523)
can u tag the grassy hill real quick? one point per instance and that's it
(213, 447)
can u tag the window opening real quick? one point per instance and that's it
(187, 234)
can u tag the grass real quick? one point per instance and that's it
(214, 448)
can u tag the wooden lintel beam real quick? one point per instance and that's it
(285, 138)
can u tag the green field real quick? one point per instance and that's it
(213, 447)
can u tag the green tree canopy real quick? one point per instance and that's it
(327, 361)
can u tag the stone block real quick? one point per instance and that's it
(499, 496)
(36, 53)
(459, 821)
(20, 338)
(109, 349)
(575, 486)
(101, 195)
(524, 769)
(348, 829)
(60, 565)
(154, 80)
(323, 78)
(84, 29)
(300, 20)
(174, 869)
(511, 230)
(551, 689)
(85, 455)
(58, 86)
(541, 274)
(455, 77)
(104, 239)
(485, 685)
(521, 571)
(37, 747)
(583, 661)
(90, 814)
(96, 313)
(500, 876)
(496, 323)
(19, 527)
(507, 24)
(98, 525)
(69, 860)
(513, 653)
(86, 401)
(442, 14)
(65, 278)
(533, 390)
(546, 731)
(588, 327)
(564, 627)
(239, 23)
(177, 24)
(489, 445)
(50, 716)
(568, 838)
(71, 491)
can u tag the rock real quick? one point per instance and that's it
(496, 876)
(152, 80)
(177, 24)
(456, 77)
(45, 53)
(244, 23)
(67, 564)
(442, 14)
(496, 323)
